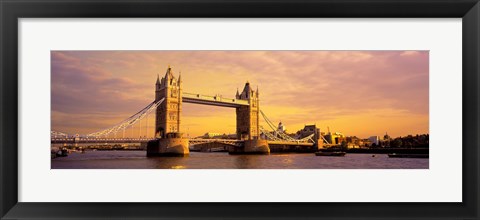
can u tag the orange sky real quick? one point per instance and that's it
(360, 93)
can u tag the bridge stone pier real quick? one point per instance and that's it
(168, 138)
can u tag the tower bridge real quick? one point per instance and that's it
(168, 140)
(169, 95)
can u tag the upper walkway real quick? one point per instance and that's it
(213, 100)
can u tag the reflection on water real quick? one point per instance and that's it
(196, 160)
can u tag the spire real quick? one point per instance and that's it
(179, 80)
(168, 76)
(158, 80)
(238, 94)
(247, 90)
(168, 72)
(247, 86)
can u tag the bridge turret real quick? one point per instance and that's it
(168, 77)
(246, 93)
(158, 86)
(179, 81)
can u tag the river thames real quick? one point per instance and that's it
(222, 160)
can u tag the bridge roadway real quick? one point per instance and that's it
(222, 145)
(196, 141)
(98, 140)
(213, 100)
(270, 142)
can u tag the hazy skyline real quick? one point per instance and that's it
(361, 93)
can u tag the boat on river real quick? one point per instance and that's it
(62, 153)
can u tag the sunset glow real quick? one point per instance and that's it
(358, 93)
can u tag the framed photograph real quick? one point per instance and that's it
(226, 109)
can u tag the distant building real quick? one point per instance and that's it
(306, 131)
(365, 142)
(313, 132)
(386, 137)
(335, 138)
(281, 128)
(210, 135)
(225, 136)
(374, 140)
(386, 140)
(354, 142)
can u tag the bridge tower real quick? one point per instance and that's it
(168, 113)
(248, 116)
(248, 127)
(169, 141)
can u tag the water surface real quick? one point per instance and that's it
(197, 160)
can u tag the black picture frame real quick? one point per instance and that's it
(12, 10)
